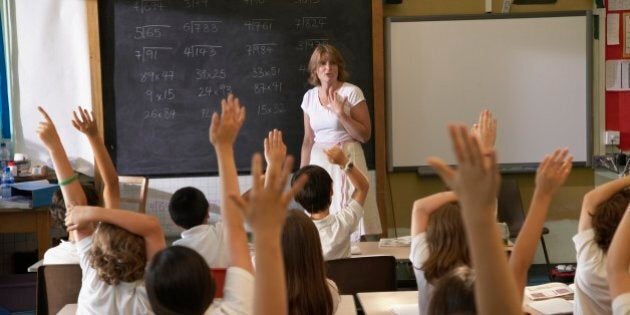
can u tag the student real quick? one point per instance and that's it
(334, 230)
(454, 293)
(476, 183)
(602, 210)
(113, 255)
(618, 267)
(189, 209)
(66, 251)
(309, 291)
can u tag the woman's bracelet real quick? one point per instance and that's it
(69, 180)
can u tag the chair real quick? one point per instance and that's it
(363, 274)
(57, 285)
(218, 275)
(510, 208)
(133, 192)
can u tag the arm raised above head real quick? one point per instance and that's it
(424, 207)
(595, 197)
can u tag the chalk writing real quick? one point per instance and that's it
(144, 6)
(150, 53)
(202, 26)
(258, 25)
(270, 109)
(264, 49)
(310, 23)
(196, 51)
(209, 91)
(264, 88)
(310, 44)
(160, 95)
(264, 72)
(149, 31)
(210, 74)
(161, 114)
(157, 76)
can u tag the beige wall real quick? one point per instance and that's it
(405, 187)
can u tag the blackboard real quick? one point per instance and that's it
(166, 65)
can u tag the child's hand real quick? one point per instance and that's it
(336, 156)
(476, 180)
(486, 130)
(265, 209)
(224, 129)
(77, 217)
(84, 122)
(336, 102)
(553, 171)
(275, 149)
(46, 130)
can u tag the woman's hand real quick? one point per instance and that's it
(336, 102)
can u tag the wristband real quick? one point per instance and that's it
(69, 180)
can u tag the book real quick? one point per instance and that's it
(548, 291)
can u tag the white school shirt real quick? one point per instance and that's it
(621, 304)
(64, 253)
(98, 297)
(335, 229)
(208, 241)
(418, 256)
(326, 126)
(592, 295)
(238, 294)
(334, 293)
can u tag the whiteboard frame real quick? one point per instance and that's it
(504, 167)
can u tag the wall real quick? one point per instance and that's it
(405, 187)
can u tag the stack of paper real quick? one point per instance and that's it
(403, 241)
(554, 306)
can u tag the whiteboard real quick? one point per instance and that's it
(532, 72)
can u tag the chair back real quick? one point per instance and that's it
(57, 285)
(133, 192)
(218, 274)
(363, 274)
(510, 206)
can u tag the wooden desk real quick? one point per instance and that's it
(346, 306)
(69, 309)
(28, 221)
(372, 249)
(380, 303)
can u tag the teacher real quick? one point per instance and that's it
(336, 113)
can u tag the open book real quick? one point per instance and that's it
(548, 291)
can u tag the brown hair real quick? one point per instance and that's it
(305, 271)
(321, 54)
(117, 254)
(454, 293)
(607, 217)
(58, 206)
(446, 239)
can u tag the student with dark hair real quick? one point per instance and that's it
(192, 278)
(602, 210)
(454, 293)
(189, 209)
(618, 267)
(334, 229)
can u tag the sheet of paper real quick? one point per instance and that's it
(626, 45)
(612, 29)
(617, 5)
(618, 75)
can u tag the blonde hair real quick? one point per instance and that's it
(323, 53)
(117, 255)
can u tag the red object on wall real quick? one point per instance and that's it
(618, 103)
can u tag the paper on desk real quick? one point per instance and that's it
(617, 75)
(555, 306)
(405, 309)
(612, 29)
(403, 241)
(617, 5)
(33, 185)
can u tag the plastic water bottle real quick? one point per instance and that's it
(5, 155)
(7, 182)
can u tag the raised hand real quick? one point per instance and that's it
(77, 217)
(275, 149)
(486, 130)
(336, 102)
(84, 122)
(336, 155)
(476, 180)
(46, 130)
(224, 128)
(266, 206)
(553, 171)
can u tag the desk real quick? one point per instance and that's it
(380, 303)
(28, 221)
(69, 309)
(346, 305)
(372, 249)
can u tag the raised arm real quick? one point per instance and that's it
(596, 196)
(357, 123)
(223, 132)
(476, 183)
(275, 152)
(618, 264)
(146, 226)
(550, 176)
(84, 122)
(486, 130)
(424, 207)
(265, 211)
(357, 178)
(70, 187)
(307, 142)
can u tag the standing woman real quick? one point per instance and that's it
(335, 112)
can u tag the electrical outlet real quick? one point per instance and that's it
(611, 137)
